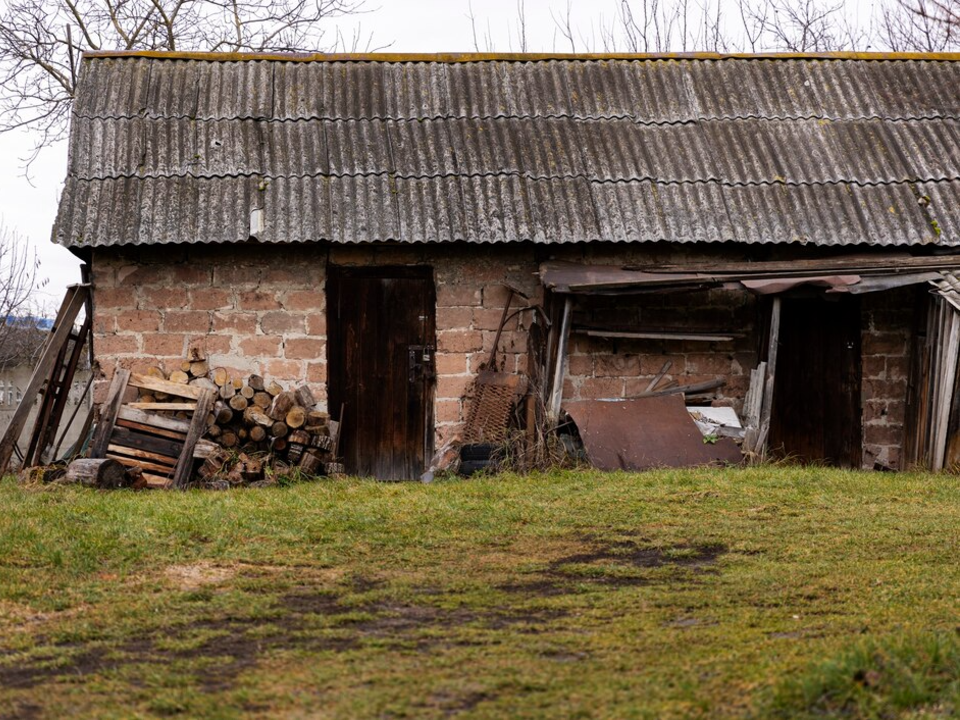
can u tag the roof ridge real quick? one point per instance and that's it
(473, 57)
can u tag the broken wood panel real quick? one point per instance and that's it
(156, 458)
(154, 420)
(150, 430)
(142, 441)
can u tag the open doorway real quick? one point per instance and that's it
(816, 416)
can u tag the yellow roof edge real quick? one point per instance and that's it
(509, 57)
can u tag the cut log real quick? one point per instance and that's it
(296, 444)
(185, 366)
(282, 404)
(311, 463)
(256, 382)
(262, 400)
(199, 368)
(205, 449)
(179, 377)
(227, 391)
(319, 430)
(243, 434)
(254, 415)
(97, 472)
(214, 431)
(237, 383)
(238, 403)
(274, 388)
(296, 417)
(228, 439)
(305, 397)
(155, 372)
(248, 392)
(205, 383)
(220, 376)
(148, 397)
(258, 433)
(278, 444)
(279, 430)
(223, 413)
(316, 417)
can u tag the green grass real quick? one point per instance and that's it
(771, 592)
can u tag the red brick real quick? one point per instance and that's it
(580, 365)
(451, 363)
(164, 298)
(449, 295)
(211, 344)
(161, 345)
(117, 345)
(281, 322)
(453, 318)
(510, 341)
(447, 411)
(617, 366)
(229, 275)
(453, 386)
(594, 388)
(459, 341)
(138, 321)
(883, 389)
(107, 298)
(258, 300)
(293, 275)
(489, 319)
(261, 347)
(884, 343)
(286, 371)
(191, 275)
(186, 321)
(317, 372)
(210, 299)
(235, 322)
(317, 324)
(709, 364)
(104, 323)
(882, 434)
(303, 348)
(570, 390)
(304, 300)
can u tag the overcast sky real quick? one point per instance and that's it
(410, 25)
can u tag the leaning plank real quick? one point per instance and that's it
(154, 420)
(158, 458)
(766, 409)
(150, 443)
(108, 413)
(74, 300)
(162, 406)
(171, 388)
(142, 464)
(150, 430)
(197, 427)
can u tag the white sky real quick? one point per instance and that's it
(29, 207)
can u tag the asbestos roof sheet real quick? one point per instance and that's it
(796, 150)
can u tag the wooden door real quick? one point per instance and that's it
(381, 330)
(816, 399)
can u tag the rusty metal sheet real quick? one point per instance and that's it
(772, 286)
(646, 433)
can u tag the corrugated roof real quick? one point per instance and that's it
(824, 151)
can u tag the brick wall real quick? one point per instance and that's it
(887, 326)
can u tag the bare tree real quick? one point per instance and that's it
(41, 42)
(20, 339)
(925, 25)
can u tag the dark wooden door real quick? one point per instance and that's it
(381, 330)
(816, 399)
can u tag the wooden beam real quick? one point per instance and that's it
(154, 420)
(556, 394)
(766, 409)
(148, 382)
(188, 407)
(658, 335)
(944, 398)
(108, 413)
(73, 301)
(197, 427)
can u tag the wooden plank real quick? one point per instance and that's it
(155, 481)
(951, 351)
(658, 335)
(766, 409)
(165, 386)
(151, 443)
(659, 376)
(556, 393)
(172, 407)
(72, 303)
(197, 427)
(157, 458)
(154, 420)
(142, 464)
(150, 430)
(108, 413)
(859, 265)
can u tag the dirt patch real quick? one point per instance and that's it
(564, 575)
(198, 575)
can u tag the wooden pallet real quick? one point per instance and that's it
(162, 447)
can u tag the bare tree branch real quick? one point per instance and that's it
(20, 339)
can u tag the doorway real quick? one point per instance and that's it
(816, 415)
(381, 333)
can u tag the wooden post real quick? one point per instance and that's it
(556, 390)
(75, 299)
(197, 427)
(944, 398)
(766, 408)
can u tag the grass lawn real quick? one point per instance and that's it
(770, 592)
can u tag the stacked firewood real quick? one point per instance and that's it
(259, 428)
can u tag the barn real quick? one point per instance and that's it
(778, 231)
